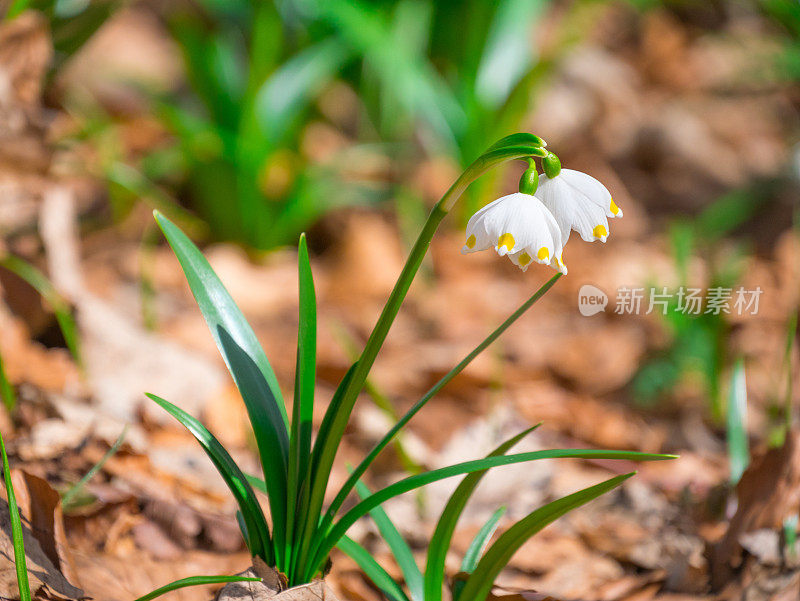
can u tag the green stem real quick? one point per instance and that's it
(516, 146)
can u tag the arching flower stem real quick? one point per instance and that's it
(515, 146)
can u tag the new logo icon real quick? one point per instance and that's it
(591, 300)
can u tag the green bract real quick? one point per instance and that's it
(295, 471)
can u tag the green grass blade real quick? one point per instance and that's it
(37, 280)
(249, 367)
(398, 546)
(372, 569)
(7, 391)
(480, 582)
(738, 451)
(481, 540)
(446, 526)
(253, 516)
(367, 461)
(69, 496)
(413, 482)
(16, 530)
(194, 581)
(303, 406)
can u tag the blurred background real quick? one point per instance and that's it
(249, 122)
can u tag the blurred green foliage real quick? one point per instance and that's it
(72, 22)
(449, 76)
(698, 347)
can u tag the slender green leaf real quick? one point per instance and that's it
(412, 482)
(255, 522)
(16, 530)
(738, 451)
(195, 581)
(367, 461)
(69, 496)
(7, 392)
(303, 406)
(480, 582)
(372, 569)
(399, 548)
(249, 367)
(57, 302)
(481, 540)
(446, 526)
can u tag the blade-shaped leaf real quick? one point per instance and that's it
(221, 313)
(195, 581)
(372, 569)
(16, 530)
(738, 451)
(248, 365)
(399, 548)
(481, 540)
(305, 379)
(7, 392)
(255, 523)
(348, 519)
(443, 534)
(480, 582)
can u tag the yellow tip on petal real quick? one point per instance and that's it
(600, 231)
(614, 208)
(524, 259)
(506, 240)
(543, 254)
(471, 241)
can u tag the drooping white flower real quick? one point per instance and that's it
(520, 226)
(578, 202)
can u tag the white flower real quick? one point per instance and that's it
(578, 202)
(517, 225)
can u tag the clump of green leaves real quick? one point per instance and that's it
(296, 472)
(481, 565)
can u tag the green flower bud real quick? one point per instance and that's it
(529, 181)
(552, 166)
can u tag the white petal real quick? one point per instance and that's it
(573, 209)
(593, 190)
(516, 222)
